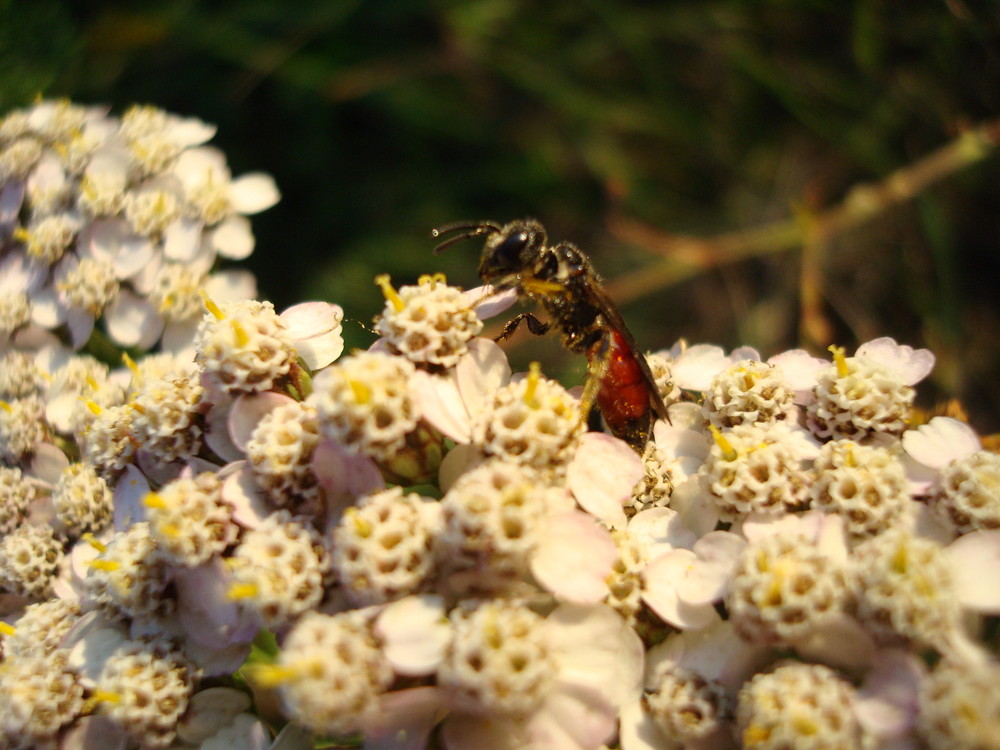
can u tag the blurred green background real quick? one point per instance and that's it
(622, 126)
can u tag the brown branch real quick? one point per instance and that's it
(685, 256)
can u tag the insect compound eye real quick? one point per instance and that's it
(506, 254)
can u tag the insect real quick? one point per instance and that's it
(562, 281)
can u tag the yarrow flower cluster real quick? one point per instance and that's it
(414, 547)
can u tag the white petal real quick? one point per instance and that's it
(574, 557)
(660, 579)
(912, 365)
(594, 646)
(232, 238)
(247, 411)
(743, 353)
(182, 240)
(20, 274)
(972, 557)
(11, 198)
(799, 367)
(130, 491)
(315, 329)
(471, 732)
(47, 310)
(694, 369)
(659, 530)
(886, 704)
(707, 581)
(941, 441)
(81, 325)
(414, 633)
(572, 717)
(133, 321)
(253, 193)
(231, 284)
(489, 302)
(191, 131)
(404, 719)
(209, 710)
(441, 405)
(697, 510)
(480, 373)
(48, 462)
(839, 641)
(602, 475)
(249, 503)
(245, 731)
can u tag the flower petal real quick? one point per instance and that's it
(971, 555)
(602, 475)
(252, 193)
(941, 441)
(414, 633)
(661, 578)
(912, 365)
(574, 557)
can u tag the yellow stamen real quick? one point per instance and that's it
(106, 696)
(361, 527)
(95, 409)
(728, 451)
(432, 279)
(840, 360)
(170, 530)
(92, 383)
(755, 734)
(388, 292)
(108, 565)
(136, 406)
(849, 458)
(531, 386)
(94, 542)
(6, 407)
(271, 675)
(362, 393)
(22, 235)
(131, 365)
(242, 338)
(7, 629)
(900, 559)
(242, 591)
(210, 305)
(153, 500)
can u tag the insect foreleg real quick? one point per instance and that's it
(536, 326)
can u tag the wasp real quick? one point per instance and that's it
(562, 281)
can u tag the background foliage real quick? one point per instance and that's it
(623, 126)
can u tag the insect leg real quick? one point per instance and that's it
(536, 326)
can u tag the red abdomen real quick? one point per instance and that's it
(623, 395)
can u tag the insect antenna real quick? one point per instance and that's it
(472, 229)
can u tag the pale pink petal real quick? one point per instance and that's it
(252, 193)
(232, 238)
(48, 462)
(441, 405)
(742, 353)
(480, 373)
(886, 704)
(594, 646)
(231, 284)
(800, 370)
(697, 510)
(660, 581)
(470, 732)
(973, 556)
(80, 324)
(708, 579)
(47, 309)
(95, 732)
(247, 411)
(130, 490)
(659, 530)
(315, 329)
(572, 717)
(197, 166)
(293, 737)
(404, 719)
(133, 321)
(217, 434)
(456, 462)
(20, 274)
(839, 641)
(602, 475)
(414, 633)
(716, 653)
(574, 557)
(489, 302)
(246, 732)
(209, 710)
(209, 617)
(248, 501)
(912, 365)
(11, 198)
(941, 441)
(178, 337)
(344, 474)
(694, 369)
(638, 731)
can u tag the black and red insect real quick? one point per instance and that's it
(563, 282)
